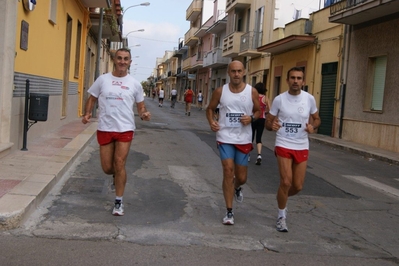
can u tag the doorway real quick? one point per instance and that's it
(327, 98)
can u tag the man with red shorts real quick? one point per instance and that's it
(116, 92)
(239, 107)
(289, 117)
(188, 98)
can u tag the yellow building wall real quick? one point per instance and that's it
(256, 68)
(44, 58)
(290, 59)
(47, 41)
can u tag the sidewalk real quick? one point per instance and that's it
(27, 176)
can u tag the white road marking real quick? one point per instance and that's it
(374, 184)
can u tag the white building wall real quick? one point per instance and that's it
(285, 10)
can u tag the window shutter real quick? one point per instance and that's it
(379, 83)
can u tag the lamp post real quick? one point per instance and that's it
(137, 45)
(124, 11)
(142, 4)
(141, 30)
(127, 40)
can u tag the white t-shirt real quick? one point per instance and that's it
(161, 94)
(232, 107)
(116, 98)
(200, 97)
(293, 112)
(173, 92)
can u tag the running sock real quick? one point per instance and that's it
(281, 213)
(229, 209)
(118, 198)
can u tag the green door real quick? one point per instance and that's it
(327, 97)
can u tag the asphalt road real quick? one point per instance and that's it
(174, 206)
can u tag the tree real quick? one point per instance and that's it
(146, 88)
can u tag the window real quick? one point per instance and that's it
(53, 12)
(259, 14)
(376, 83)
(77, 51)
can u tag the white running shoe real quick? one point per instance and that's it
(229, 219)
(258, 160)
(118, 209)
(238, 195)
(281, 225)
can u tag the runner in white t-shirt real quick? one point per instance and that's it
(173, 97)
(161, 96)
(290, 117)
(200, 98)
(116, 92)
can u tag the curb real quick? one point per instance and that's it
(23, 199)
(372, 153)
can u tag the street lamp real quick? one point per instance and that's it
(142, 4)
(133, 31)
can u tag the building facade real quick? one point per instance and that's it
(50, 46)
(369, 112)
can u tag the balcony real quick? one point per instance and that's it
(180, 73)
(189, 38)
(186, 66)
(249, 42)
(219, 24)
(192, 63)
(180, 50)
(237, 4)
(194, 10)
(97, 3)
(215, 59)
(353, 12)
(111, 29)
(231, 44)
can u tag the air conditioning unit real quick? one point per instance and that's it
(308, 27)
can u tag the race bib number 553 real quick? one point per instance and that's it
(291, 129)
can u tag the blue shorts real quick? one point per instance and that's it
(229, 151)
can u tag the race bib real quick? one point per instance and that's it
(291, 129)
(233, 119)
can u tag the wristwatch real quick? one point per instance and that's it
(252, 118)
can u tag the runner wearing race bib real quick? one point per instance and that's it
(238, 106)
(289, 116)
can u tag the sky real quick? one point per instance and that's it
(163, 21)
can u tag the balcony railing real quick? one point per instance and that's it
(237, 4)
(189, 37)
(231, 44)
(214, 58)
(250, 41)
(341, 5)
(186, 64)
(194, 10)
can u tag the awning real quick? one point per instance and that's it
(286, 44)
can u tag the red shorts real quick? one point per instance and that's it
(105, 137)
(298, 156)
